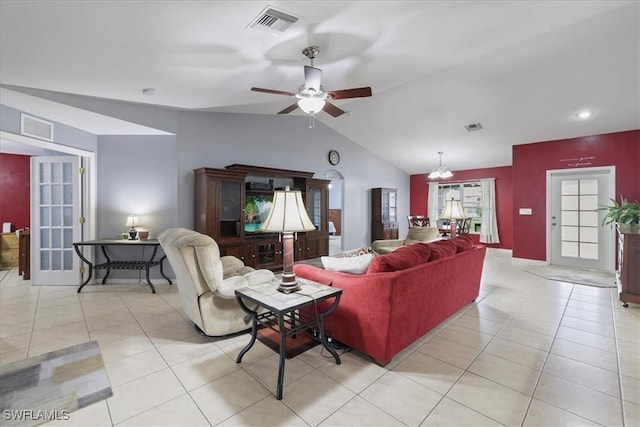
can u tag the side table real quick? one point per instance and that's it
(283, 311)
(110, 264)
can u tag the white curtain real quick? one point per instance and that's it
(489, 232)
(432, 204)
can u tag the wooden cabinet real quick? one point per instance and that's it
(8, 250)
(384, 214)
(628, 272)
(219, 208)
(231, 203)
(24, 254)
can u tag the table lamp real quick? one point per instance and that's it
(287, 216)
(453, 211)
(132, 221)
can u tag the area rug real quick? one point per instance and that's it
(52, 385)
(294, 346)
(574, 275)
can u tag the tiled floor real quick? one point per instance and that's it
(530, 352)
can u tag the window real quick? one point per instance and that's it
(469, 194)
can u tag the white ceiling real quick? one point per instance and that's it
(523, 69)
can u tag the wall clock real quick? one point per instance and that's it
(334, 157)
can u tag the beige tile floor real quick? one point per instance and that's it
(529, 352)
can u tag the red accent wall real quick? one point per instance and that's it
(419, 189)
(15, 177)
(530, 165)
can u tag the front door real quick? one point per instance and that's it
(55, 214)
(576, 236)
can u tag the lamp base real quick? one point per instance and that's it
(288, 287)
(288, 283)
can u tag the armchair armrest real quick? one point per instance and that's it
(228, 287)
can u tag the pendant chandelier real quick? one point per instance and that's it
(440, 171)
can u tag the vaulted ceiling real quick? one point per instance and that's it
(522, 69)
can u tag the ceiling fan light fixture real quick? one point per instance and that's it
(311, 105)
(441, 172)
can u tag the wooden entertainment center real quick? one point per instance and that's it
(230, 204)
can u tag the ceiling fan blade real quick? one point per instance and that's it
(360, 92)
(289, 109)
(332, 109)
(312, 77)
(275, 92)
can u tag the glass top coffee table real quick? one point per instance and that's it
(291, 313)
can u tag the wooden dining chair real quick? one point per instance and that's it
(418, 221)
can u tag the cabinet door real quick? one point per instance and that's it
(300, 248)
(230, 208)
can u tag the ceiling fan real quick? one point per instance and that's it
(312, 97)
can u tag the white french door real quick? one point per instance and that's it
(55, 213)
(576, 235)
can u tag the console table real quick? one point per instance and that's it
(109, 264)
(283, 311)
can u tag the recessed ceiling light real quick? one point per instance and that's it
(149, 91)
(584, 114)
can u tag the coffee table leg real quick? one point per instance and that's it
(254, 328)
(283, 353)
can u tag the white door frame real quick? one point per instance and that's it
(610, 264)
(88, 160)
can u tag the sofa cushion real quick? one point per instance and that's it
(442, 249)
(463, 243)
(347, 264)
(421, 234)
(400, 259)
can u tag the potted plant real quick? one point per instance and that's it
(626, 215)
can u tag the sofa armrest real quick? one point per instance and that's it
(316, 274)
(378, 245)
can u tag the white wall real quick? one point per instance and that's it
(143, 166)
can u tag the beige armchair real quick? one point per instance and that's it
(415, 235)
(207, 282)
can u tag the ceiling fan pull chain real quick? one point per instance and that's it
(311, 121)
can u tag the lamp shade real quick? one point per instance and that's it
(288, 213)
(453, 210)
(311, 105)
(132, 221)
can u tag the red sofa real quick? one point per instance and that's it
(382, 313)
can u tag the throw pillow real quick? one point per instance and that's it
(442, 249)
(349, 264)
(399, 259)
(356, 252)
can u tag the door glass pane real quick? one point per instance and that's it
(68, 216)
(68, 237)
(56, 216)
(56, 238)
(44, 238)
(569, 203)
(44, 173)
(44, 217)
(67, 172)
(56, 194)
(569, 186)
(68, 260)
(588, 186)
(589, 202)
(45, 194)
(570, 249)
(56, 260)
(589, 250)
(589, 234)
(589, 219)
(570, 218)
(570, 233)
(67, 197)
(44, 260)
(56, 172)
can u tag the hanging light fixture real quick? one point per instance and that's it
(440, 171)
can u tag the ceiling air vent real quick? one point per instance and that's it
(36, 128)
(473, 127)
(272, 20)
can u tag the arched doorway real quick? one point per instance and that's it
(336, 212)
